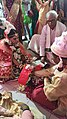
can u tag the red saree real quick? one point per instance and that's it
(5, 61)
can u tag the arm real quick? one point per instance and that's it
(22, 48)
(43, 4)
(15, 62)
(56, 88)
(15, 9)
(5, 8)
(24, 51)
(40, 2)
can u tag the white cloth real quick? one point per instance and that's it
(46, 38)
(34, 43)
(6, 24)
(38, 42)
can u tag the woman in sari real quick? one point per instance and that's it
(20, 55)
(13, 13)
(13, 55)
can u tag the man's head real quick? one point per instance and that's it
(51, 19)
(59, 47)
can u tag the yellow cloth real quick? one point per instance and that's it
(57, 90)
(11, 106)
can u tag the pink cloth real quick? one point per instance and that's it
(25, 115)
(59, 47)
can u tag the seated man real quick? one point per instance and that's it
(53, 94)
(41, 43)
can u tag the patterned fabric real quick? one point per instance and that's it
(5, 65)
(18, 23)
(32, 83)
(19, 57)
(11, 61)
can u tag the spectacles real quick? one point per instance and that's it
(51, 21)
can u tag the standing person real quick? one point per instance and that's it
(26, 18)
(4, 24)
(35, 9)
(52, 29)
(35, 15)
(43, 9)
(53, 94)
(13, 13)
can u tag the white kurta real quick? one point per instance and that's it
(38, 42)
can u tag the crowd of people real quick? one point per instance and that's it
(45, 85)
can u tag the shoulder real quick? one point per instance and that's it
(44, 27)
(61, 24)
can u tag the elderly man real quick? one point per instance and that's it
(41, 43)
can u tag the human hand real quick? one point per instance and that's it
(30, 13)
(47, 81)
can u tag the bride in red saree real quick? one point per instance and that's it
(13, 55)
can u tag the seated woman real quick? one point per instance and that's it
(54, 93)
(15, 52)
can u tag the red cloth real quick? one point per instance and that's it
(5, 60)
(24, 75)
(39, 97)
